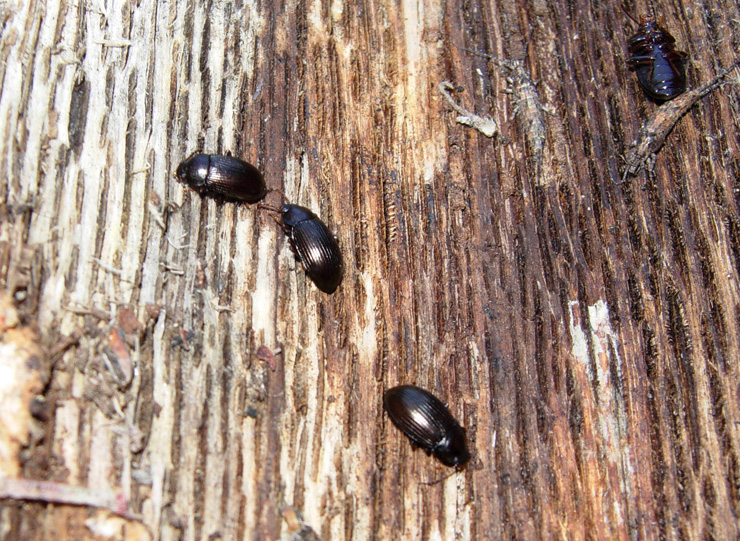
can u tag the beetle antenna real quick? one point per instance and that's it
(429, 483)
(272, 211)
(624, 8)
(268, 208)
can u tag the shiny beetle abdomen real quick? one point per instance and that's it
(224, 176)
(658, 65)
(314, 245)
(428, 423)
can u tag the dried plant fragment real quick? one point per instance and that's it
(128, 322)
(16, 488)
(299, 530)
(655, 131)
(487, 126)
(118, 358)
(267, 355)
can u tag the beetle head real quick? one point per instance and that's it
(194, 171)
(453, 451)
(294, 214)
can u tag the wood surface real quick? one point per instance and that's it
(583, 330)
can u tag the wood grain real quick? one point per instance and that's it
(585, 332)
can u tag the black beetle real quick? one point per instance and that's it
(223, 176)
(660, 68)
(428, 423)
(314, 246)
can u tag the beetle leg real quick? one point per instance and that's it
(637, 61)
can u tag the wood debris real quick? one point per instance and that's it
(24, 372)
(487, 126)
(299, 530)
(654, 132)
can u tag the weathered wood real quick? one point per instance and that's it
(585, 332)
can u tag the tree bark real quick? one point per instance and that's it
(584, 330)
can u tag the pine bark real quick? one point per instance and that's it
(584, 330)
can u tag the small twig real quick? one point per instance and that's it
(487, 126)
(49, 491)
(655, 131)
(95, 312)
